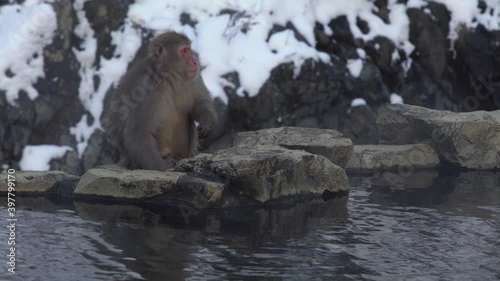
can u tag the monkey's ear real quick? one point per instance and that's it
(159, 49)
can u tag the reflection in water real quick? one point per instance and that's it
(448, 230)
(215, 244)
(61, 246)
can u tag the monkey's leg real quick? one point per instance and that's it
(170, 162)
(170, 157)
(142, 151)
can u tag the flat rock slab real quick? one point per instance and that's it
(118, 182)
(372, 158)
(33, 182)
(148, 186)
(266, 173)
(325, 142)
(470, 139)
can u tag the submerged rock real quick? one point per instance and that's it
(397, 180)
(470, 140)
(277, 221)
(406, 180)
(371, 158)
(328, 143)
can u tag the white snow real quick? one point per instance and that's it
(462, 12)
(358, 102)
(239, 42)
(395, 56)
(397, 29)
(491, 17)
(466, 13)
(355, 67)
(396, 99)
(361, 53)
(25, 30)
(38, 157)
(127, 41)
(416, 3)
(223, 47)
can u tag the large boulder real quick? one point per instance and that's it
(470, 140)
(267, 173)
(328, 143)
(288, 97)
(372, 158)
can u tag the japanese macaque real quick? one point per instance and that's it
(151, 114)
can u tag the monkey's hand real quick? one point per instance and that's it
(204, 131)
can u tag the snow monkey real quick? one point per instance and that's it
(150, 116)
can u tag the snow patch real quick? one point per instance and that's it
(467, 14)
(361, 53)
(25, 30)
(38, 157)
(358, 102)
(396, 99)
(127, 41)
(355, 67)
(416, 3)
(462, 12)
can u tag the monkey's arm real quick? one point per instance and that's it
(141, 147)
(203, 109)
(204, 113)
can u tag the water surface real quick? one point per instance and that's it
(447, 227)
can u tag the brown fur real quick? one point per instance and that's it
(150, 115)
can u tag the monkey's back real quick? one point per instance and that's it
(127, 113)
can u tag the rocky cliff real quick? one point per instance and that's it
(457, 70)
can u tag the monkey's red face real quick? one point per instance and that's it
(189, 60)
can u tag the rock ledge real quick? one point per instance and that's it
(247, 174)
